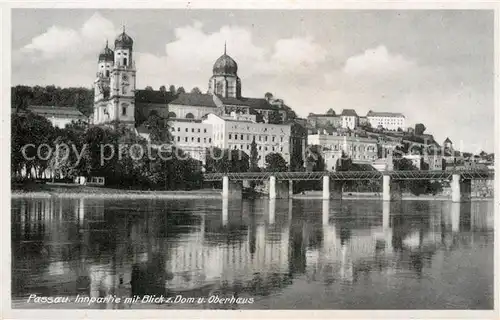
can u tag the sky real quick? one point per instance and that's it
(434, 66)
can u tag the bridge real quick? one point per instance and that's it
(281, 182)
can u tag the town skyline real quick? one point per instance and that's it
(448, 87)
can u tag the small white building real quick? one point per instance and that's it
(358, 149)
(388, 120)
(58, 116)
(192, 136)
(237, 132)
(349, 119)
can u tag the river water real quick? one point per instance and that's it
(253, 254)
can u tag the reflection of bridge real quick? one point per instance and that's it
(460, 181)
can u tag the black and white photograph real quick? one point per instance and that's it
(236, 159)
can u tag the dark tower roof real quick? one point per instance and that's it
(107, 54)
(447, 140)
(225, 65)
(123, 41)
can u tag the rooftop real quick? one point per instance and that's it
(349, 113)
(384, 114)
(59, 112)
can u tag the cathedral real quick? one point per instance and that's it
(117, 99)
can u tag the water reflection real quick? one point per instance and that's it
(247, 248)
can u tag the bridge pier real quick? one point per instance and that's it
(390, 189)
(460, 189)
(231, 189)
(278, 189)
(331, 189)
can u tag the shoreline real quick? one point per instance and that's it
(199, 194)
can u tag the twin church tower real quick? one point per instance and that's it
(115, 85)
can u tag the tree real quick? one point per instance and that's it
(419, 129)
(254, 157)
(268, 96)
(330, 112)
(163, 89)
(196, 90)
(314, 158)
(181, 90)
(171, 89)
(149, 88)
(275, 163)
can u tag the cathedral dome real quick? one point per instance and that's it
(124, 41)
(225, 65)
(106, 54)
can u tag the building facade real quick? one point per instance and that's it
(237, 132)
(58, 116)
(349, 119)
(358, 149)
(387, 120)
(114, 87)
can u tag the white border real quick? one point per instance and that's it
(5, 53)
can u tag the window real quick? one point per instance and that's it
(107, 73)
(173, 129)
(199, 140)
(192, 139)
(265, 138)
(124, 61)
(281, 139)
(187, 130)
(235, 137)
(241, 146)
(192, 130)
(178, 139)
(205, 140)
(260, 147)
(241, 137)
(124, 111)
(248, 146)
(229, 136)
(179, 129)
(198, 130)
(248, 137)
(209, 140)
(273, 138)
(205, 130)
(186, 139)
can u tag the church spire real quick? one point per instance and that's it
(224, 47)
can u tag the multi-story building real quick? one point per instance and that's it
(237, 132)
(349, 119)
(358, 149)
(387, 120)
(322, 120)
(58, 116)
(192, 136)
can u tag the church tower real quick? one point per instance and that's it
(115, 84)
(225, 81)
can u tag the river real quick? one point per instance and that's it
(268, 254)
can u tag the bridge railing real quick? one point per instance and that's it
(353, 175)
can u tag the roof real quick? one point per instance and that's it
(153, 96)
(447, 140)
(323, 115)
(384, 114)
(194, 99)
(349, 113)
(53, 111)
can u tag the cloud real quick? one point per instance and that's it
(58, 42)
(188, 59)
(376, 62)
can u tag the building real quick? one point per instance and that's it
(349, 119)
(192, 136)
(447, 144)
(58, 116)
(224, 96)
(236, 132)
(323, 120)
(357, 148)
(387, 120)
(434, 162)
(114, 87)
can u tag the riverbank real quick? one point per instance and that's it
(79, 191)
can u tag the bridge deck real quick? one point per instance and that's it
(353, 175)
